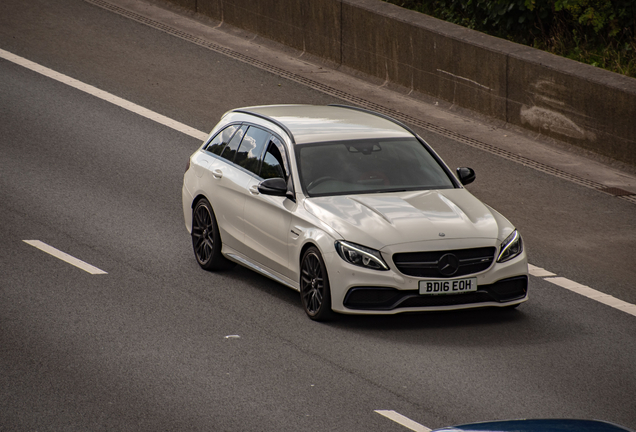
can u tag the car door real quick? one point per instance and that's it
(225, 185)
(268, 218)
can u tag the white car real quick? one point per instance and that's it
(352, 209)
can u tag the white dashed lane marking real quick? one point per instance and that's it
(538, 271)
(404, 421)
(583, 290)
(65, 257)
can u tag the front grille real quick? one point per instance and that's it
(427, 264)
(381, 298)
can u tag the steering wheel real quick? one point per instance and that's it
(318, 181)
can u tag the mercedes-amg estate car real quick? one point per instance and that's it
(350, 208)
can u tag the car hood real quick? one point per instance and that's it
(378, 220)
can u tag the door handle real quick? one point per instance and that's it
(254, 189)
(217, 173)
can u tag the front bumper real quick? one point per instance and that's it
(356, 290)
(504, 292)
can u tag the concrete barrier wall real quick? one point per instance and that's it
(311, 26)
(576, 103)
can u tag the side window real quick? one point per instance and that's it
(249, 153)
(274, 161)
(218, 143)
(230, 149)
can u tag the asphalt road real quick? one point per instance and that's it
(159, 344)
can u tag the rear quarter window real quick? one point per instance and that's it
(221, 139)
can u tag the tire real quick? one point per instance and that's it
(315, 292)
(206, 240)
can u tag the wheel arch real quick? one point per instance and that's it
(198, 198)
(318, 238)
(304, 248)
(188, 211)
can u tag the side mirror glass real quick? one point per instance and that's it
(466, 175)
(273, 186)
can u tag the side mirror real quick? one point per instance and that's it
(466, 175)
(273, 186)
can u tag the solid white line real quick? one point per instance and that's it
(593, 294)
(404, 421)
(64, 257)
(144, 112)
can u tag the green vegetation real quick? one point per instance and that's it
(597, 32)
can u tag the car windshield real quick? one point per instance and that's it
(368, 166)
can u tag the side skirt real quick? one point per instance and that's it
(258, 268)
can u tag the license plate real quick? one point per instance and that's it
(448, 286)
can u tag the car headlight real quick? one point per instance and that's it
(510, 247)
(361, 256)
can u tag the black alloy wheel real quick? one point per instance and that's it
(206, 240)
(315, 292)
